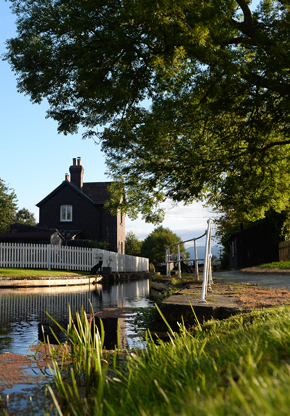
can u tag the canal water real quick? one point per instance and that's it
(23, 315)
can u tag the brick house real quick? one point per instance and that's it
(76, 209)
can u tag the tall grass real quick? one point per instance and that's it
(239, 366)
(80, 376)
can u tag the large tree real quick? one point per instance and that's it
(156, 243)
(216, 76)
(132, 244)
(8, 206)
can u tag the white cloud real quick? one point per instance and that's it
(186, 221)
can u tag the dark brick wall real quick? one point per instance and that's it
(95, 222)
(85, 217)
(109, 230)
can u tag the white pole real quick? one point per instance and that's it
(178, 259)
(196, 261)
(205, 267)
(167, 258)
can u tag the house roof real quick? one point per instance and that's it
(43, 235)
(72, 186)
(97, 191)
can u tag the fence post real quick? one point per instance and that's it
(48, 257)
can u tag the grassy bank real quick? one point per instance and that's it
(239, 366)
(276, 265)
(13, 272)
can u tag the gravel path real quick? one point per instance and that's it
(277, 279)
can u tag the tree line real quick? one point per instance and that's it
(9, 211)
(154, 245)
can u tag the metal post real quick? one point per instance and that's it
(178, 259)
(210, 256)
(205, 268)
(196, 261)
(167, 259)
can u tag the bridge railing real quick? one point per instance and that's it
(207, 272)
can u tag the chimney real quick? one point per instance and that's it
(67, 177)
(76, 173)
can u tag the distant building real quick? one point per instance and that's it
(76, 209)
(73, 214)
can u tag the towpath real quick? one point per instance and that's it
(271, 278)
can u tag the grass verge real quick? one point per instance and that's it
(15, 272)
(239, 366)
(276, 265)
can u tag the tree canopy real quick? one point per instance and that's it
(132, 244)
(24, 216)
(157, 241)
(8, 206)
(215, 74)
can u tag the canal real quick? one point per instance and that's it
(23, 317)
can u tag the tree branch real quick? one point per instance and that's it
(279, 143)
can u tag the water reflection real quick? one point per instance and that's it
(23, 311)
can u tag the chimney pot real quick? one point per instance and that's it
(67, 177)
(76, 173)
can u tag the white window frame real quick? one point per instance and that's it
(67, 210)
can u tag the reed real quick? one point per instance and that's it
(79, 372)
(239, 366)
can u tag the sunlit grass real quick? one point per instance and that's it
(15, 272)
(239, 366)
(276, 265)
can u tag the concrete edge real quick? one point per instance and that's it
(42, 282)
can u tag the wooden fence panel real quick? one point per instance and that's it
(284, 250)
(43, 256)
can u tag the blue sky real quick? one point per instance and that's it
(34, 157)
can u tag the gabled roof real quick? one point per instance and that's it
(72, 186)
(97, 191)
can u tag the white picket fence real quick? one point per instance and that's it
(41, 256)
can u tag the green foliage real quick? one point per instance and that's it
(132, 244)
(87, 370)
(238, 366)
(101, 244)
(155, 244)
(8, 206)
(23, 216)
(145, 317)
(277, 265)
(217, 79)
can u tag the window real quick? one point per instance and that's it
(66, 213)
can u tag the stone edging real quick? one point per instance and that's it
(46, 282)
